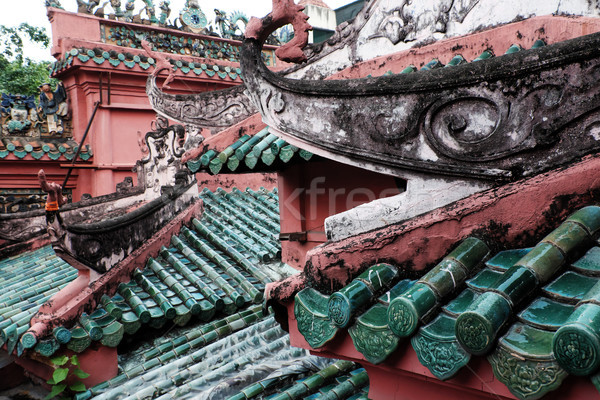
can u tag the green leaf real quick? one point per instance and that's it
(75, 360)
(80, 374)
(56, 390)
(51, 381)
(78, 387)
(60, 374)
(60, 361)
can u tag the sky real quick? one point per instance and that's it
(34, 12)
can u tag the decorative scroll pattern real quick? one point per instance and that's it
(375, 344)
(443, 358)
(211, 110)
(165, 148)
(576, 352)
(452, 121)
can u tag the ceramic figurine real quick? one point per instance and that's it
(53, 105)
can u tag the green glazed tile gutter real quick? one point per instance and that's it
(247, 147)
(229, 151)
(263, 145)
(214, 203)
(244, 242)
(275, 346)
(240, 224)
(310, 311)
(348, 387)
(257, 216)
(209, 347)
(477, 328)
(314, 382)
(371, 335)
(196, 308)
(166, 307)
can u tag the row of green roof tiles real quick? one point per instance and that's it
(338, 381)
(464, 321)
(245, 220)
(129, 60)
(246, 153)
(459, 59)
(22, 147)
(206, 271)
(27, 281)
(200, 362)
(186, 350)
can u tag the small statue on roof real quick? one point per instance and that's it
(87, 7)
(129, 7)
(53, 105)
(151, 11)
(116, 6)
(54, 201)
(192, 18)
(165, 11)
(53, 3)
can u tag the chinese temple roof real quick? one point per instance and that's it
(260, 152)
(211, 269)
(532, 311)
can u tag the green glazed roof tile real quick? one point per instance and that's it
(546, 313)
(372, 336)
(506, 259)
(438, 349)
(569, 287)
(589, 264)
(310, 310)
(483, 280)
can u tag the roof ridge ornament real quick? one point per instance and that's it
(284, 12)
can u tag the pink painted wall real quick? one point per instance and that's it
(310, 192)
(240, 181)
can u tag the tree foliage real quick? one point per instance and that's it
(19, 74)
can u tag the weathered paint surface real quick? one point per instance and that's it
(388, 26)
(423, 193)
(240, 181)
(549, 28)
